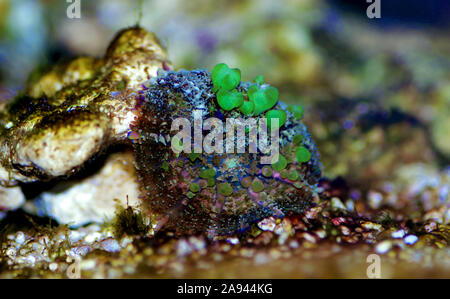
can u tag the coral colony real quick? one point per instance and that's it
(197, 190)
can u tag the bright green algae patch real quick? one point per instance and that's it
(258, 98)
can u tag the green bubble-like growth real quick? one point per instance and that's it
(266, 171)
(228, 100)
(279, 114)
(302, 154)
(293, 175)
(225, 78)
(207, 173)
(281, 164)
(246, 182)
(247, 108)
(225, 189)
(257, 185)
(263, 98)
(194, 187)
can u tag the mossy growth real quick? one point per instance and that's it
(128, 221)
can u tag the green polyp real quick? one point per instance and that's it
(280, 165)
(247, 108)
(298, 185)
(259, 79)
(284, 174)
(302, 154)
(263, 97)
(194, 187)
(228, 100)
(276, 114)
(190, 194)
(266, 171)
(297, 110)
(257, 185)
(211, 182)
(165, 166)
(207, 173)
(293, 175)
(225, 78)
(225, 189)
(246, 182)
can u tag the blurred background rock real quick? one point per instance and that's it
(376, 91)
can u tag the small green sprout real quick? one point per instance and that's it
(263, 98)
(228, 100)
(225, 78)
(302, 154)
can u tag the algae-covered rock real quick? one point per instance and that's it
(219, 191)
(76, 110)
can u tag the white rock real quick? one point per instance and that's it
(11, 198)
(94, 198)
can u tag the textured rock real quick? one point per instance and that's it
(94, 198)
(76, 110)
(215, 193)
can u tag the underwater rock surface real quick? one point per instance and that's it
(70, 116)
(217, 193)
(76, 110)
